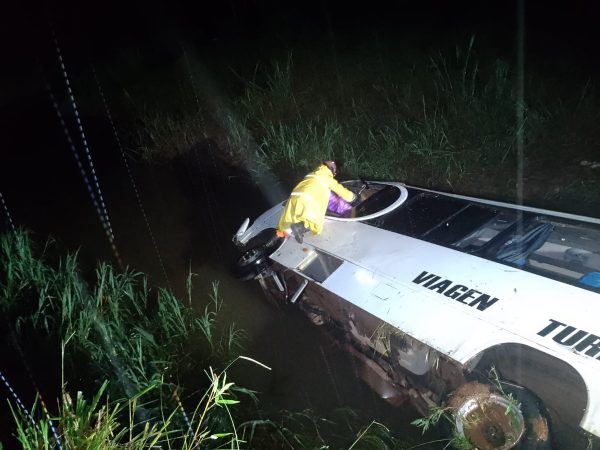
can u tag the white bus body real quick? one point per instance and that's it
(432, 291)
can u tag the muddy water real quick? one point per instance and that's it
(193, 207)
(308, 370)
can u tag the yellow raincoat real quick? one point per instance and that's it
(309, 199)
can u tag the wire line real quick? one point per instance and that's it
(81, 132)
(9, 218)
(131, 178)
(105, 224)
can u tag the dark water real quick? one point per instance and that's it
(193, 206)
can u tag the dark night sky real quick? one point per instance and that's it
(95, 31)
(98, 29)
(560, 37)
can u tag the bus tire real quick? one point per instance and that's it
(251, 263)
(502, 417)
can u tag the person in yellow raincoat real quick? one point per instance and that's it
(305, 209)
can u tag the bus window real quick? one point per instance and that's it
(484, 234)
(571, 252)
(463, 222)
(419, 214)
(528, 238)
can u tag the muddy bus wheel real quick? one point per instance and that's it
(501, 417)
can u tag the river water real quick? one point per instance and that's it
(181, 220)
(309, 371)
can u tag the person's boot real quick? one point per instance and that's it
(298, 229)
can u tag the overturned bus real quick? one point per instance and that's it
(490, 310)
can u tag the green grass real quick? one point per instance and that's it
(390, 110)
(165, 137)
(109, 316)
(342, 429)
(115, 327)
(444, 119)
(426, 126)
(101, 424)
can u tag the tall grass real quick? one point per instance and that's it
(24, 274)
(163, 137)
(342, 429)
(117, 328)
(101, 424)
(442, 119)
(427, 128)
(113, 319)
(445, 121)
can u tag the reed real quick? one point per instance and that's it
(162, 137)
(102, 424)
(342, 429)
(119, 329)
(447, 121)
(442, 119)
(110, 320)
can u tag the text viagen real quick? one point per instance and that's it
(455, 291)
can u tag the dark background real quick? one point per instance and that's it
(561, 37)
(561, 40)
(564, 31)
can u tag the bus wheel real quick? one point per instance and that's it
(250, 263)
(500, 417)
